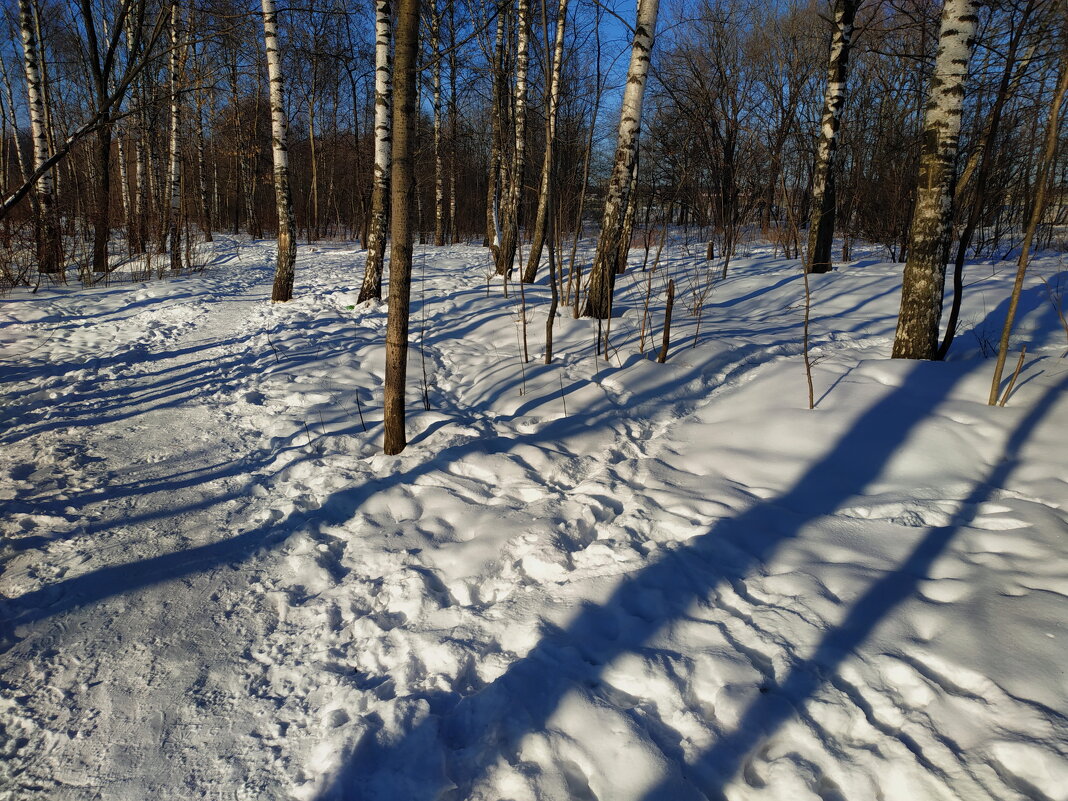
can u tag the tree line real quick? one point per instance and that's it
(132, 129)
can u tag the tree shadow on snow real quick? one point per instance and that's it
(479, 726)
(489, 723)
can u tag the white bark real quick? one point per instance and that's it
(541, 221)
(925, 270)
(439, 167)
(124, 180)
(821, 228)
(48, 237)
(510, 221)
(174, 173)
(493, 188)
(602, 279)
(287, 232)
(376, 234)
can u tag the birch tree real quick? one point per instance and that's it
(376, 233)
(510, 215)
(49, 247)
(541, 221)
(493, 183)
(603, 276)
(287, 228)
(403, 192)
(439, 167)
(981, 164)
(925, 269)
(174, 172)
(821, 227)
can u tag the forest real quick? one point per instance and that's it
(516, 399)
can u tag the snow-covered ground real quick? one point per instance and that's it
(589, 580)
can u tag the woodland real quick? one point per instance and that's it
(515, 399)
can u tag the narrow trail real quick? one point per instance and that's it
(138, 460)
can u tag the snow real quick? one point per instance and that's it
(587, 580)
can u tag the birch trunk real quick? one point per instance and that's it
(287, 230)
(46, 99)
(510, 214)
(376, 233)
(439, 167)
(983, 158)
(925, 270)
(603, 276)
(49, 247)
(206, 217)
(403, 191)
(541, 221)
(174, 172)
(454, 234)
(139, 229)
(493, 183)
(20, 159)
(124, 182)
(821, 227)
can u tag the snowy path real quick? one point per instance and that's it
(138, 468)
(683, 586)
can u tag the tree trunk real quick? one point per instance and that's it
(626, 232)
(174, 219)
(513, 201)
(102, 212)
(821, 227)
(985, 153)
(376, 233)
(925, 270)
(603, 277)
(439, 167)
(287, 228)
(403, 190)
(206, 220)
(124, 181)
(541, 221)
(454, 233)
(49, 246)
(138, 227)
(493, 183)
(16, 145)
(1044, 169)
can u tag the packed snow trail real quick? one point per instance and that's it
(596, 580)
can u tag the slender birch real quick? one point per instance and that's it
(821, 227)
(124, 180)
(454, 234)
(493, 183)
(435, 97)
(174, 171)
(49, 247)
(9, 115)
(403, 191)
(603, 275)
(287, 228)
(541, 221)
(376, 234)
(206, 217)
(925, 270)
(510, 215)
